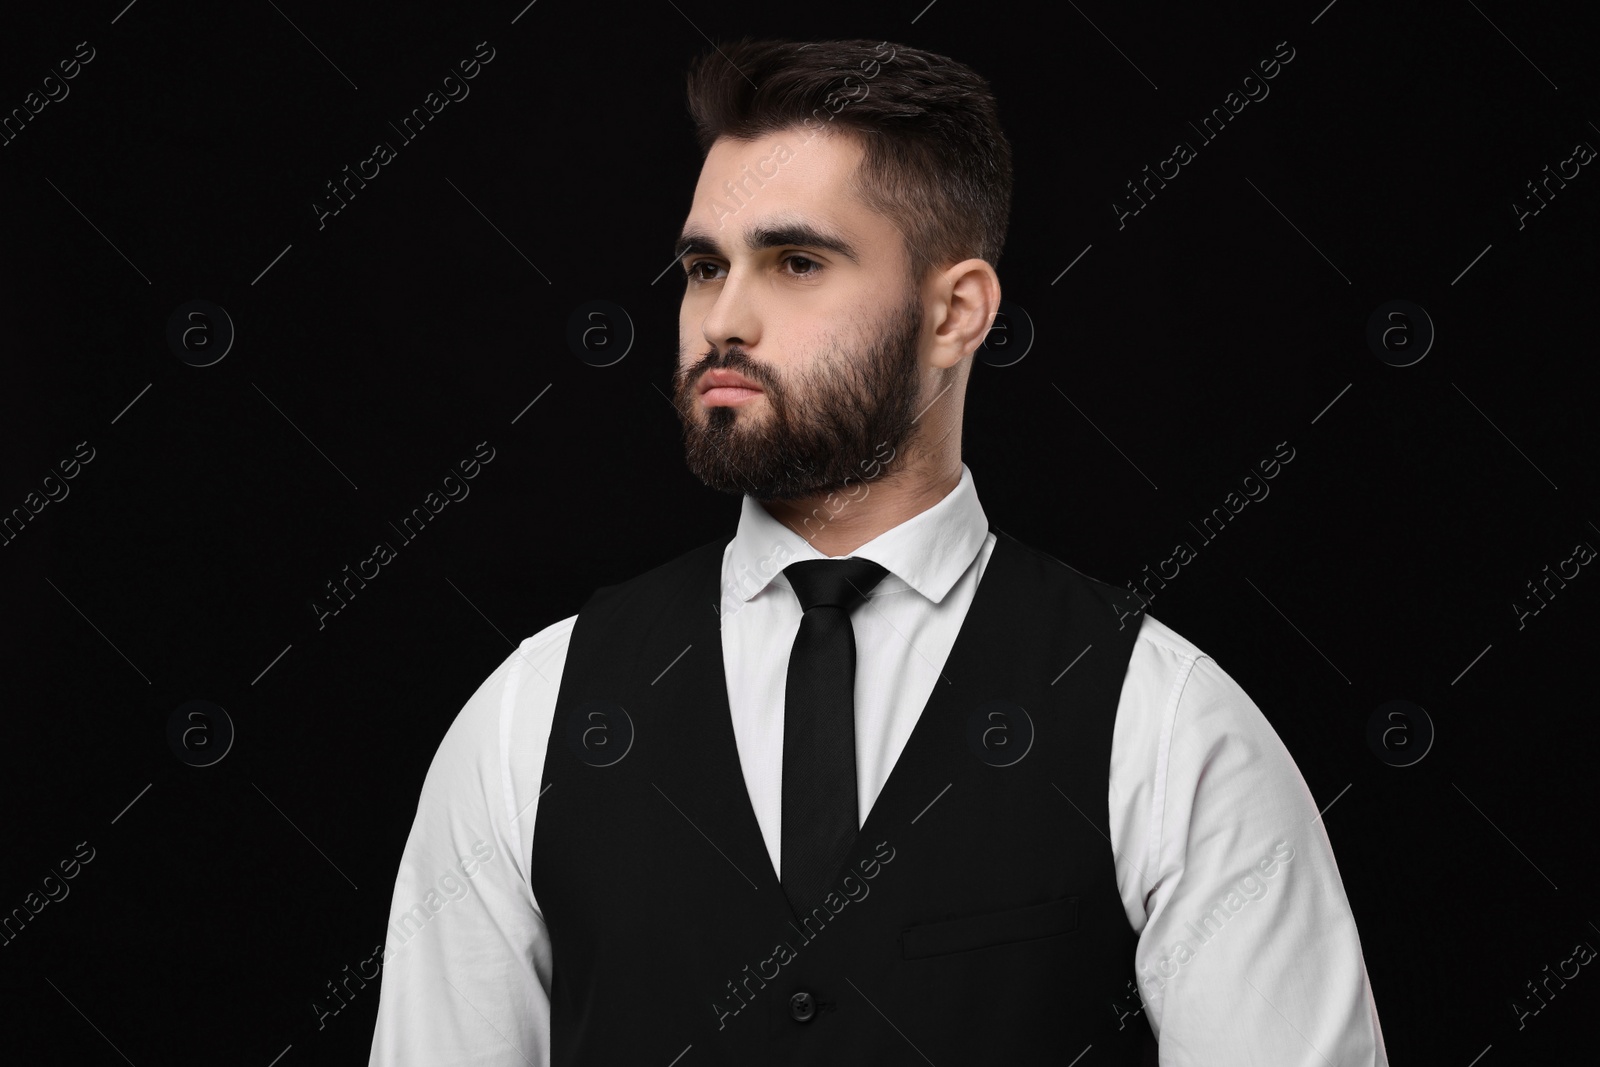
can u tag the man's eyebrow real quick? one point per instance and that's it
(791, 233)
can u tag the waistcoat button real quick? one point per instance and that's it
(802, 1007)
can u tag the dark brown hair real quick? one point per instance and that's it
(936, 162)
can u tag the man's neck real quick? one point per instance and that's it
(836, 524)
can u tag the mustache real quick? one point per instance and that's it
(733, 359)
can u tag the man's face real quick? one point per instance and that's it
(800, 289)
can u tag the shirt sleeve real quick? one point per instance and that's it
(467, 965)
(1249, 951)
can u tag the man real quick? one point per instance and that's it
(872, 783)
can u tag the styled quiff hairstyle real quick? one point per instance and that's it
(936, 163)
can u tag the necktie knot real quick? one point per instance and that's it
(838, 583)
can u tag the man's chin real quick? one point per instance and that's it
(764, 486)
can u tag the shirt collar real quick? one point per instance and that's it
(928, 552)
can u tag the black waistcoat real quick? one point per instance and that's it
(977, 920)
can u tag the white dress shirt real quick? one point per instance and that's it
(1247, 949)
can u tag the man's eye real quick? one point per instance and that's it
(693, 272)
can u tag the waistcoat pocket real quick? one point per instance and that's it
(990, 928)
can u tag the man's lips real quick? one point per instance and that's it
(716, 379)
(727, 395)
(726, 387)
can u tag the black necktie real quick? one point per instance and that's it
(819, 725)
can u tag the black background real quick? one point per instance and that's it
(426, 316)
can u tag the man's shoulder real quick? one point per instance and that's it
(1176, 669)
(533, 665)
(551, 639)
(1167, 642)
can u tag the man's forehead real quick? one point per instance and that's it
(798, 161)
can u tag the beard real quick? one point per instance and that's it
(823, 426)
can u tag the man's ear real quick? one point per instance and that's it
(970, 296)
